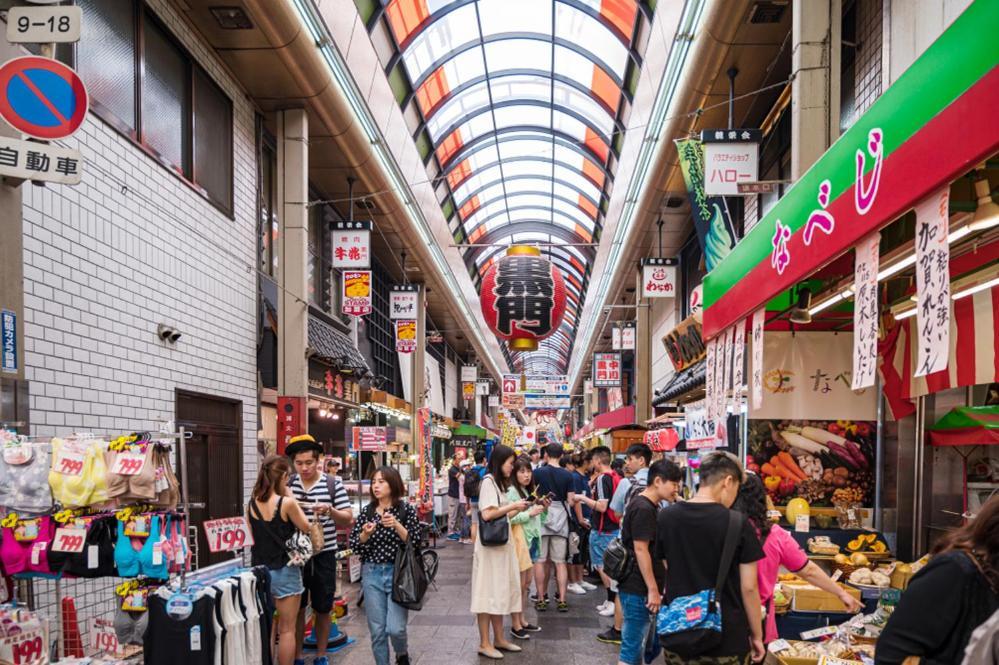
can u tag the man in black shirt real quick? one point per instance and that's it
(693, 555)
(452, 499)
(557, 484)
(641, 591)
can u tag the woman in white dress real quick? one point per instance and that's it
(495, 570)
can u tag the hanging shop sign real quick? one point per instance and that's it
(659, 278)
(731, 156)
(30, 160)
(468, 390)
(615, 400)
(369, 439)
(44, 25)
(661, 440)
(606, 370)
(351, 245)
(933, 283)
(42, 97)
(469, 373)
(808, 375)
(8, 342)
(405, 336)
(739, 364)
(865, 311)
(494, 401)
(715, 231)
(356, 292)
(511, 383)
(403, 301)
(700, 430)
(292, 416)
(229, 534)
(546, 402)
(523, 298)
(482, 388)
(759, 317)
(684, 344)
(623, 337)
(710, 380)
(425, 461)
(878, 169)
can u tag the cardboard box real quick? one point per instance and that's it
(813, 599)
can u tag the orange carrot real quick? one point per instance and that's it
(784, 470)
(776, 470)
(789, 462)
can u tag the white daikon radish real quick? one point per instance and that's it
(798, 441)
(821, 436)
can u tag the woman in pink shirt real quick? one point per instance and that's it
(780, 549)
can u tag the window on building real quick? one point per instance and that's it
(318, 297)
(268, 208)
(142, 82)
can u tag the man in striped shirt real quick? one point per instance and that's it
(325, 498)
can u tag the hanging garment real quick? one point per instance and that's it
(148, 561)
(78, 476)
(166, 486)
(24, 488)
(140, 486)
(190, 641)
(130, 627)
(97, 557)
(24, 547)
(251, 611)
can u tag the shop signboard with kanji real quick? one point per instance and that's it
(292, 417)
(606, 370)
(684, 344)
(8, 342)
(405, 336)
(659, 278)
(523, 298)
(351, 245)
(369, 439)
(356, 292)
(30, 160)
(403, 301)
(731, 156)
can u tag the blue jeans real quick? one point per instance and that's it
(636, 625)
(386, 620)
(598, 544)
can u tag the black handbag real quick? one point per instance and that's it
(493, 533)
(409, 579)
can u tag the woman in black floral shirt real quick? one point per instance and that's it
(378, 534)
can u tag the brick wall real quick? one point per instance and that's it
(133, 246)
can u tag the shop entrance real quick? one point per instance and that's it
(214, 461)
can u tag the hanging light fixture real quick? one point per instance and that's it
(799, 312)
(987, 213)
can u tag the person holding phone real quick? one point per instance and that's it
(525, 529)
(380, 531)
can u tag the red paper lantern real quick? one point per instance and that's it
(523, 298)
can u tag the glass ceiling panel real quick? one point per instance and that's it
(520, 99)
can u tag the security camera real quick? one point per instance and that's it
(167, 333)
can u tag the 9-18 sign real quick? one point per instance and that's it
(41, 25)
(228, 534)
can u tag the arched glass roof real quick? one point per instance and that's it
(522, 105)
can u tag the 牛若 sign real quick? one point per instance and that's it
(351, 244)
(659, 278)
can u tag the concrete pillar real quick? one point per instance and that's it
(815, 85)
(643, 354)
(293, 244)
(418, 386)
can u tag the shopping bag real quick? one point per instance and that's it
(409, 579)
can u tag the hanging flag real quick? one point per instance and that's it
(738, 364)
(726, 384)
(720, 377)
(758, 319)
(709, 378)
(405, 336)
(351, 244)
(865, 311)
(615, 338)
(356, 296)
(933, 283)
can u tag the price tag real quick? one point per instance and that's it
(179, 606)
(129, 463)
(779, 645)
(818, 632)
(851, 514)
(801, 523)
(836, 575)
(16, 453)
(354, 564)
(195, 638)
(69, 462)
(157, 554)
(26, 648)
(36, 552)
(93, 557)
(103, 638)
(829, 660)
(69, 539)
(228, 534)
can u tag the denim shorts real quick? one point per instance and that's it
(286, 582)
(598, 544)
(534, 547)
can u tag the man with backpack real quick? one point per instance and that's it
(712, 550)
(636, 461)
(605, 523)
(556, 484)
(324, 500)
(473, 481)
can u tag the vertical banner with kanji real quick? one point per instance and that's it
(865, 312)
(351, 245)
(405, 335)
(709, 377)
(758, 318)
(933, 283)
(292, 419)
(356, 299)
(426, 462)
(727, 370)
(738, 363)
(719, 401)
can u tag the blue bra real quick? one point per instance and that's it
(131, 563)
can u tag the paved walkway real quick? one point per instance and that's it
(444, 631)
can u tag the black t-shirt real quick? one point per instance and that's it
(452, 481)
(607, 521)
(693, 554)
(640, 524)
(551, 478)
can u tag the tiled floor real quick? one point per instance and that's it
(444, 631)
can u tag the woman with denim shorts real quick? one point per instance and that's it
(381, 530)
(274, 515)
(525, 530)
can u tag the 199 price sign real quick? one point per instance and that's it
(27, 648)
(228, 534)
(103, 637)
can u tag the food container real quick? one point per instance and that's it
(900, 578)
(813, 599)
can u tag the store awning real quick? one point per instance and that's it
(949, 96)
(616, 418)
(967, 426)
(467, 430)
(332, 346)
(682, 383)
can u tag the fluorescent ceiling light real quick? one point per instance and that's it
(976, 288)
(906, 314)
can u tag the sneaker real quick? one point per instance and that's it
(541, 605)
(610, 636)
(576, 589)
(608, 611)
(520, 634)
(563, 606)
(586, 585)
(603, 605)
(323, 660)
(533, 596)
(453, 537)
(531, 628)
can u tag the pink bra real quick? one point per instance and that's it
(24, 548)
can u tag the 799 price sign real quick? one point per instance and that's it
(228, 534)
(27, 648)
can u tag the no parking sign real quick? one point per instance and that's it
(42, 98)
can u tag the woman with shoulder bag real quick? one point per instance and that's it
(380, 532)
(495, 568)
(274, 517)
